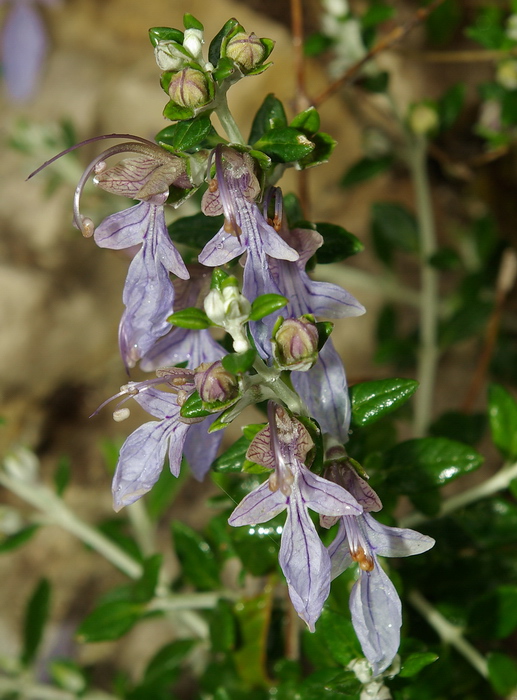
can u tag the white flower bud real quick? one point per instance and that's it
(193, 42)
(170, 55)
(423, 118)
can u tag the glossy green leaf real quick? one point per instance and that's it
(157, 34)
(451, 104)
(373, 400)
(110, 620)
(323, 146)
(345, 683)
(307, 121)
(258, 546)
(165, 664)
(197, 559)
(174, 111)
(465, 427)
(339, 636)
(193, 318)
(193, 407)
(36, 615)
(393, 227)
(494, 615)
(190, 22)
(144, 589)
(266, 304)
(284, 145)
(271, 115)
(491, 522)
(502, 411)
(214, 51)
(365, 169)
(223, 632)
(424, 463)
(187, 134)
(239, 362)
(502, 673)
(253, 615)
(292, 209)
(338, 243)
(414, 663)
(234, 457)
(15, 540)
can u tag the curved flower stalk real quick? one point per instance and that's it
(283, 446)
(143, 453)
(233, 193)
(374, 603)
(184, 344)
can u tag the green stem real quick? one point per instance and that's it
(498, 482)
(271, 378)
(38, 691)
(450, 634)
(228, 122)
(428, 351)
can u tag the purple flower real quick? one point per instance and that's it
(143, 453)
(24, 47)
(374, 603)
(323, 388)
(283, 446)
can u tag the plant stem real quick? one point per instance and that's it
(143, 527)
(57, 512)
(450, 634)
(39, 691)
(189, 601)
(228, 122)
(497, 482)
(428, 351)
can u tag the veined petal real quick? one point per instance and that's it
(160, 404)
(259, 506)
(329, 300)
(339, 553)
(305, 563)
(221, 249)
(325, 497)
(377, 617)
(165, 251)
(140, 462)
(177, 436)
(124, 229)
(182, 344)
(395, 541)
(272, 243)
(200, 448)
(324, 389)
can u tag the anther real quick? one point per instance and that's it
(87, 227)
(121, 414)
(213, 186)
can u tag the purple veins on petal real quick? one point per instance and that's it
(24, 47)
(201, 447)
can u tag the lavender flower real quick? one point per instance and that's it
(374, 602)
(283, 446)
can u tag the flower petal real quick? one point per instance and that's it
(221, 249)
(259, 506)
(377, 617)
(125, 228)
(201, 447)
(395, 541)
(305, 563)
(160, 404)
(24, 45)
(182, 344)
(339, 552)
(325, 497)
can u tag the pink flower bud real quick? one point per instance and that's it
(295, 344)
(214, 383)
(246, 50)
(189, 88)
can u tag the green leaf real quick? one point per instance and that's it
(257, 547)
(271, 115)
(187, 134)
(190, 22)
(17, 538)
(491, 523)
(36, 615)
(443, 22)
(223, 628)
(234, 457)
(323, 146)
(159, 498)
(218, 279)
(464, 427)
(346, 684)
(494, 615)
(338, 243)
(68, 675)
(424, 463)
(110, 620)
(393, 227)
(174, 111)
(365, 169)
(193, 407)
(239, 362)
(193, 318)
(451, 104)
(165, 665)
(315, 44)
(62, 475)
(266, 304)
(373, 400)
(502, 673)
(197, 559)
(307, 121)
(470, 319)
(375, 14)
(144, 589)
(292, 209)
(214, 51)
(339, 635)
(157, 34)
(502, 411)
(414, 663)
(253, 617)
(284, 145)
(489, 30)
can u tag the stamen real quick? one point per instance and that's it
(212, 185)
(364, 560)
(230, 224)
(121, 414)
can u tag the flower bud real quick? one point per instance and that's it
(170, 55)
(295, 344)
(423, 119)
(189, 88)
(246, 50)
(214, 383)
(506, 74)
(193, 41)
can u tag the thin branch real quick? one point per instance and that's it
(470, 56)
(387, 42)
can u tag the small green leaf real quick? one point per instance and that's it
(110, 620)
(502, 673)
(324, 329)
(197, 559)
(165, 665)
(266, 304)
(193, 318)
(17, 538)
(307, 121)
(365, 169)
(423, 463)
(68, 675)
(234, 457)
(338, 243)
(239, 362)
(223, 628)
(494, 615)
(292, 209)
(36, 615)
(144, 589)
(284, 145)
(451, 104)
(324, 145)
(174, 111)
(193, 407)
(339, 635)
(187, 134)
(214, 51)
(157, 34)
(190, 22)
(414, 663)
(271, 115)
(62, 475)
(464, 427)
(372, 400)
(218, 279)
(253, 615)
(502, 411)
(393, 227)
